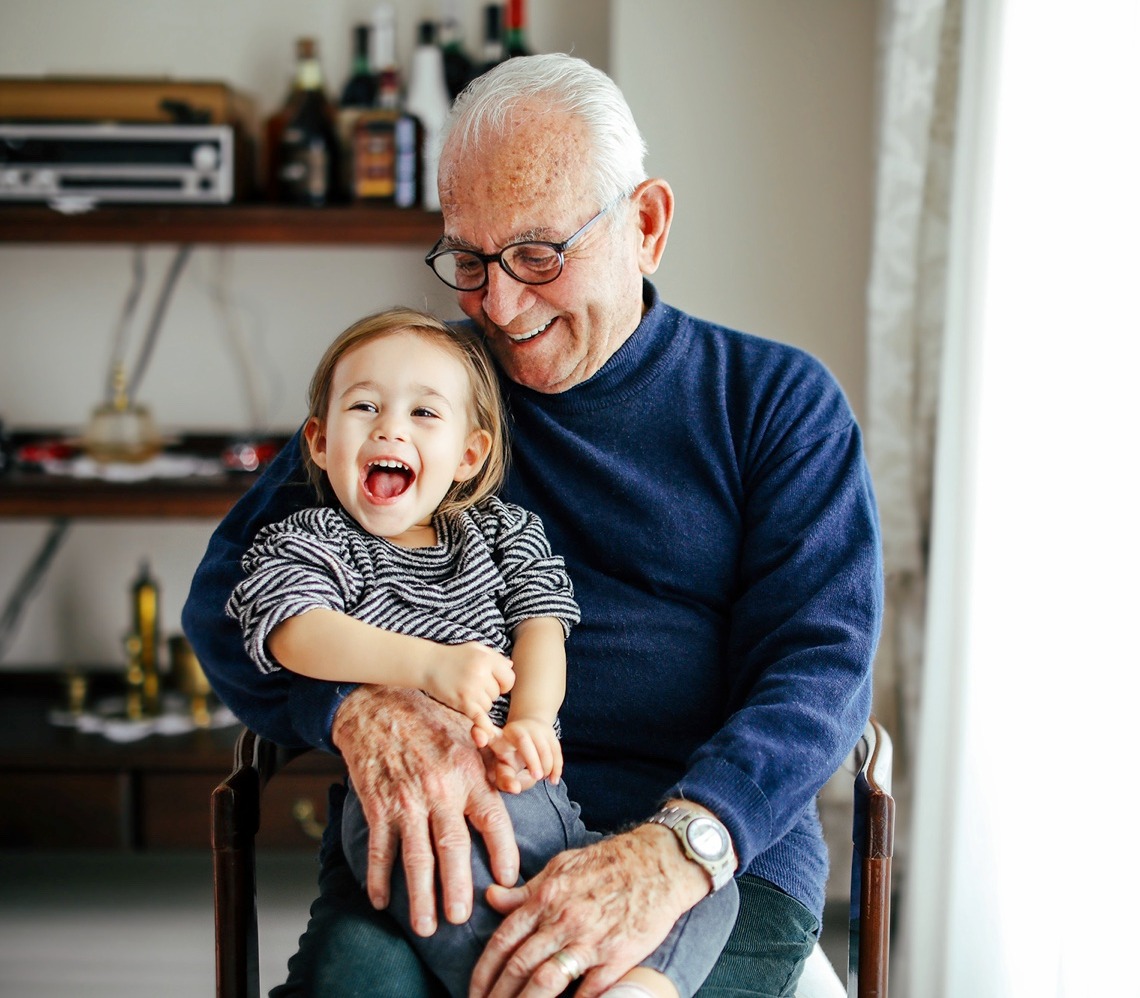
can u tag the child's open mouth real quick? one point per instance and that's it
(387, 479)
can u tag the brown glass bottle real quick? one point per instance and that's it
(309, 158)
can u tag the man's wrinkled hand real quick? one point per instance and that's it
(421, 780)
(609, 905)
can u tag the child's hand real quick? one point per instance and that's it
(468, 678)
(526, 745)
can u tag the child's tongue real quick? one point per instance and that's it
(386, 483)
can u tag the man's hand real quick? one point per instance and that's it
(420, 780)
(609, 905)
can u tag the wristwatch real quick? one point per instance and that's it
(703, 839)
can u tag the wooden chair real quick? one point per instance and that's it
(236, 812)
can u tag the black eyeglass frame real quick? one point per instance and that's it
(488, 258)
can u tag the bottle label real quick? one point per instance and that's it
(305, 170)
(374, 160)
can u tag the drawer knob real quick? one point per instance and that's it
(305, 814)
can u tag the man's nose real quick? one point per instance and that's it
(504, 298)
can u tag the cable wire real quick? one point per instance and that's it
(156, 317)
(119, 341)
(26, 585)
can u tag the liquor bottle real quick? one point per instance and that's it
(457, 67)
(271, 140)
(387, 149)
(360, 87)
(516, 28)
(358, 94)
(494, 51)
(310, 154)
(386, 141)
(429, 101)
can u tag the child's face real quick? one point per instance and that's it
(397, 433)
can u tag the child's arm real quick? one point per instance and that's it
(327, 644)
(528, 741)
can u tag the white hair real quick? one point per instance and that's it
(559, 84)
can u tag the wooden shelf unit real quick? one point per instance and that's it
(248, 224)
(39, 495)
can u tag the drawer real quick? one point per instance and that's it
(175, 810)
(294, 809)
(65, 811)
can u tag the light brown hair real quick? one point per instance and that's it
(486, 410)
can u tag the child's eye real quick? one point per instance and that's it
(424, 411)
(363, 407)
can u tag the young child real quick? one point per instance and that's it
(417, 576)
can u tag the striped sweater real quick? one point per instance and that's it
(491, 569)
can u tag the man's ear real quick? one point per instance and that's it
(653, 201)
(474, 456)
(317, 442)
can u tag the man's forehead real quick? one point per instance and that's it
(525, 181)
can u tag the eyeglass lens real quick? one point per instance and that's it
(531, 263)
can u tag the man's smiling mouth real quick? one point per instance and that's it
(523, 337)
(387, 478)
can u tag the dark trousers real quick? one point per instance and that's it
(350, 949)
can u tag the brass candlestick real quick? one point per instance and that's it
(135, 678)
(144, 598)
(191, 680)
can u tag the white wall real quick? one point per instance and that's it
(758, 112)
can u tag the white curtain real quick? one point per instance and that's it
(918, 84)
(1023, 876)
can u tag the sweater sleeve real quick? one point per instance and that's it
(537, 582)
(804, 622)
(289, 709)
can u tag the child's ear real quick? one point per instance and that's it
(318, 444)
(475, 455)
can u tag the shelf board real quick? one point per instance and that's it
(42, 496)
(253, 224)
(27, 493)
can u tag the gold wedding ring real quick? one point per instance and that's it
(571, 966)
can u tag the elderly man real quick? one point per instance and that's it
(709, 493)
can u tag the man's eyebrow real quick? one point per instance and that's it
(535, 235)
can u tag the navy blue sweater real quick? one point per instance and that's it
(709, 493)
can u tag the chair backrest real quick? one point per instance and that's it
(235, 807)
(873, 833)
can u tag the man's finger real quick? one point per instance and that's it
(453, 853)
(419, 870)
(488, 816)
(501, 946)
(382, 845)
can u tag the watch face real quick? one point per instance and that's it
(706, 838)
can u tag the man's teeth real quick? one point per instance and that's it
(523, 337)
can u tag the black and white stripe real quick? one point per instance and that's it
(491, 569)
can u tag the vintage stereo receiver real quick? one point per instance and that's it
(113, 162)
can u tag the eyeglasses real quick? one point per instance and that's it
(530, 262)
